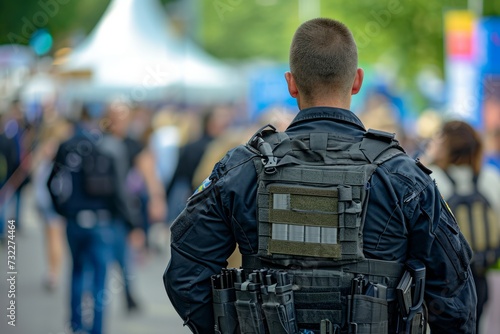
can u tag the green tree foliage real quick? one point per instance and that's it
(248, 28)
(62, 18)
(407, 35)
(18, 20)
(490, 8)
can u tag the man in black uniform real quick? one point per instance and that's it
(406, 217)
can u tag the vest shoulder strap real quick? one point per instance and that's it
(380, 146)
(377, 146)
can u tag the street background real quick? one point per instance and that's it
(42, 312)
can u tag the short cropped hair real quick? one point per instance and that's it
(323, 57)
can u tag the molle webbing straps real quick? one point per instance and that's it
(311, 221)
(312, 191)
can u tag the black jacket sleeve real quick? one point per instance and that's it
(201, 241)
(219, 215)
(435, 239)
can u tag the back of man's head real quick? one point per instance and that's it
(323, 58)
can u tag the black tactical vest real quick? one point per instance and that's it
(312, 198)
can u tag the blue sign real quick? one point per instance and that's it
(488, 47)
(268, 89)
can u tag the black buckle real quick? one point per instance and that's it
(270, 165)
(259, 133)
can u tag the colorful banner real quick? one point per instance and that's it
(461, 69)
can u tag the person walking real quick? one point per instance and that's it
(116, 123)
(52, 133)
(457, 156)
(86, 189)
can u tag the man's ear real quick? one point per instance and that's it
(358, 81)
(292, 86)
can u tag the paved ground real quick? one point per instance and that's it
(41, 312)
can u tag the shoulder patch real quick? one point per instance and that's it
(204, 185)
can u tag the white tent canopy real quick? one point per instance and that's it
(131, 51)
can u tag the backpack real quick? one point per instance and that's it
(98, 171)
(83, 178)
(478, 223)
(312, 199)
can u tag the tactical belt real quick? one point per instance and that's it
(323, 293)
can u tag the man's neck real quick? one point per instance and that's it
(326, 102)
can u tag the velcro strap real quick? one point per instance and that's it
(304, 174)
(345, 194)
(304, 249)
(318, 141)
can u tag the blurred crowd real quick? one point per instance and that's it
(170, 151)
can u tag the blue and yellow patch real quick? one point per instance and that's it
(204, 185)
